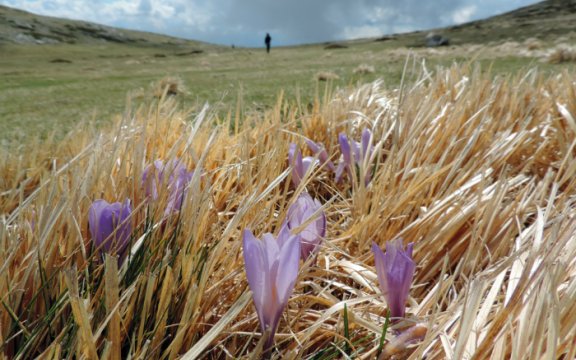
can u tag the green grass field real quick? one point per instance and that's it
(52, 87)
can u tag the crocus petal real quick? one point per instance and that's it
(306, 211)
(272, 249)
(345, 148)
(366, 139)
(308, 162)
(124, 227)
(256, 269)
(340, 171)
(272, 270)
(295, 158)
(321, 225)
(395, 270)
(110, 226)
(399, 274)
(291, 153)
(284, 234)
(379, 262)
(93, 220)
(356, 152)
(319, 150)
(288, 269)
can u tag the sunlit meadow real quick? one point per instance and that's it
(477, 171)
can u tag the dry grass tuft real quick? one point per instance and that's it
(326, 76)
(363, 69)
(168, 86)
(533, 44)
(479, 172)
(562, 54)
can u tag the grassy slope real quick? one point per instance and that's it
(38, 95)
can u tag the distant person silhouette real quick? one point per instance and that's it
(267, 41)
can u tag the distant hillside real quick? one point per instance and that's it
(546, 20)
(21, 27)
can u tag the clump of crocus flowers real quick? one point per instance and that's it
(174, 176)
(272, 269)
(356, 158)
(110, 226)
(395, 270)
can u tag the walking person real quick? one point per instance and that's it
(267, 41)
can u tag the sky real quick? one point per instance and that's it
(246, 22)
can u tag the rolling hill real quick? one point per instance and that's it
(21, 27)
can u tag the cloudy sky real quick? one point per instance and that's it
(245, 22)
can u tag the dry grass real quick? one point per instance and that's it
(168, 85)
(326, 76)
(561, 54)
(363, 69)
(479, 172)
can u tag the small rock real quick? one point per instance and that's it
(434, 40)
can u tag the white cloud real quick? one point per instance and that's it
(464, 14)
(359, 32)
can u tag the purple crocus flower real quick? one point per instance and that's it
(272, 269)
(354, 154)
(300, 213)
(110, 226)
(299, 165)
(319, 150)
(395, 269)
(177, 187)
(154, 176)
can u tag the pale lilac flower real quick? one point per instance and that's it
(395, 270)
(319, 150)
(110, 226)
(355, 155)
(299, 165)
(176, 177)
(301, 212)
(272, 269)
(178, 188)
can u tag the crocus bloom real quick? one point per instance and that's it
(319, 150)
(177, 187)
(301, 212)
(153, 178)
(299, 165)
(395, 270)
(272, 269)
(355, 154)
(110, 226)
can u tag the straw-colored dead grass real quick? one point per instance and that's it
(479, 172)
(169, 85)
(561, 54)
(326, 76)
(363, 69)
